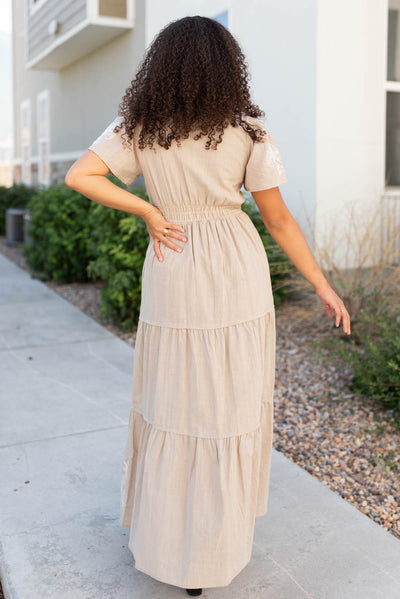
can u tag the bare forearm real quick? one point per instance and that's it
(289, 236)
(101, 190)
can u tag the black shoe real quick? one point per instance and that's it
(194, 592)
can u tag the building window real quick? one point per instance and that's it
(223, 18)
(26, 141)
(392, 156)
(43, 137)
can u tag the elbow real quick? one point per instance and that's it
(70, 180)
(277, 224)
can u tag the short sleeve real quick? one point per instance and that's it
(120, 158)
(264, 168)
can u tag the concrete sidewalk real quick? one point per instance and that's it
(65, 388)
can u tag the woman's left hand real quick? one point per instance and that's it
(333, 302)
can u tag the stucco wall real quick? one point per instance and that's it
(351, 70)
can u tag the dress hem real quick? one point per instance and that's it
(193, 585)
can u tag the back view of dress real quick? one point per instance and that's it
(197, 463)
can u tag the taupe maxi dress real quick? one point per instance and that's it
(197, 461)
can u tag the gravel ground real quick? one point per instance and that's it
(346, 442)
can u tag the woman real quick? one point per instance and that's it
(196, 469)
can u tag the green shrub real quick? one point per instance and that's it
(59, 232)
(372, 352)
(16, 196)
(118, 241)
(279, 264)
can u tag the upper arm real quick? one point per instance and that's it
(88, 164)
(109, 152)
(271, 205)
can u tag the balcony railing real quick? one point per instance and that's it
(59, 32)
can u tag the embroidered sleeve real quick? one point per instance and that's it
(120, 158)
(264, 168)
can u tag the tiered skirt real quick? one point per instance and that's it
(196, 469)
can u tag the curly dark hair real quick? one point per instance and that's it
(193, 77)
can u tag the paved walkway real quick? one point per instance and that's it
(65, 385)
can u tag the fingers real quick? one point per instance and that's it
(345, 319)
(176, 227)
(157, 250)
(332, 302)
(168, 231)
(340, 314)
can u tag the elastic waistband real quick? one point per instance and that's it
(200, 212)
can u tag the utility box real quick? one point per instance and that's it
(15, 226)
(27, 222)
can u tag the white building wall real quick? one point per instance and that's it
(350, 142)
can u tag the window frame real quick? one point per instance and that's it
(43, 138)
(389, 86)
(26, 136)
(228, 17)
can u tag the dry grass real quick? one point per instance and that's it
(362, 256)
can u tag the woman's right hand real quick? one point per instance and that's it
(156, 225)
